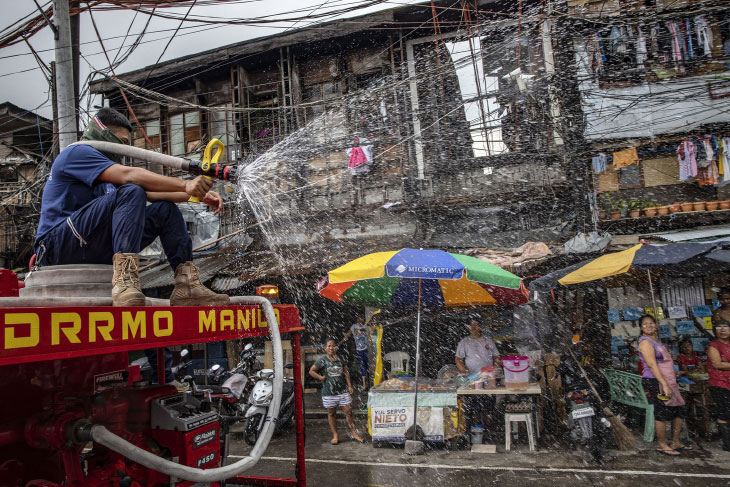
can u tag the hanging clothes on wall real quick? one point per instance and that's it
(360, 156)
(690, 42)
(599, 163)
(595, 54)
(708, 175)
(700, 152)
(704, 35)
(676, 46)
(625, 158)
(724, 161)
(687, 160)
(641, 52)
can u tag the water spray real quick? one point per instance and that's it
(201, 168)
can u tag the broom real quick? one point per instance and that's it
(621, 434)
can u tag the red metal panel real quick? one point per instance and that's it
(38, 334)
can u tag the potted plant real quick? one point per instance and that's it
(650, 208)
(604, 205)
(664, 210)
(675, 207)
(698, 206)
(617, 205)
(687, 206)
(712, 205)
(635, 207)
(725, 205)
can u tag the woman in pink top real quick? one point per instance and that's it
(718, 368)
(659, 378)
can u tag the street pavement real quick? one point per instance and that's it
(354, 464)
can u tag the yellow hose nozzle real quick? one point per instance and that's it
(207, 160)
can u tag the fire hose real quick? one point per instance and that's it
(212, 169)
(99, 434)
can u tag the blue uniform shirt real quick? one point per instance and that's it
(72, 184)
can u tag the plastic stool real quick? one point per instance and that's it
(510, 418)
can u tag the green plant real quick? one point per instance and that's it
(634, 205)
(618, 204)
(604, 201)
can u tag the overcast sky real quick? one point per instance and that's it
(23, 83)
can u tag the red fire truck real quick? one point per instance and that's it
(75, 413)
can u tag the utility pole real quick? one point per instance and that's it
(67, 128)
(54, 100)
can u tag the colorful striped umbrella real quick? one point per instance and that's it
(446, 280)
(433, 278)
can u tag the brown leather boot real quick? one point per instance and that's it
(126, 290)
(189, 291)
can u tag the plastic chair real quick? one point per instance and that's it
(510, 418)
(626, 388)
(398, 361)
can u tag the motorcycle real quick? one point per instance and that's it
(179, 371)
(230, 399)
(259, 401)
(588, 425)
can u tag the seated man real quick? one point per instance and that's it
(94, 211)
(476, 351)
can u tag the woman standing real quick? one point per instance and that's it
(718, 367)
(660, 384)
(336, 389)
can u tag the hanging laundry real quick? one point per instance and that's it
(690, 43)
(641, 52)
(625, 158)
(704, 35)
(725, 161)
(617, 41)
(700, 151)
(600, 163)
(595, 55)
(687, 161)
(709, 149)
(676, 46)
(708, 175)
(360, 156)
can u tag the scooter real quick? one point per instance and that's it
(259, 400)
(588, 425)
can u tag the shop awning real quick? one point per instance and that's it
(697, 234)
(679, 259)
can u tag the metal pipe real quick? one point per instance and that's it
(103, 436)
(418, 355)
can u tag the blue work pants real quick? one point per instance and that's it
(119, 221)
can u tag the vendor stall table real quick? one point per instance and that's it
(532, 391)
(390, 414)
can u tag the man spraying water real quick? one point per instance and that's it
(94, 211)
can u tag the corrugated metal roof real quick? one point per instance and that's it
(696, 234)
(226, 283)
(162, 275)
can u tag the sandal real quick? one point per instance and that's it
(683, 448)
(668, 452)
(334, 442)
